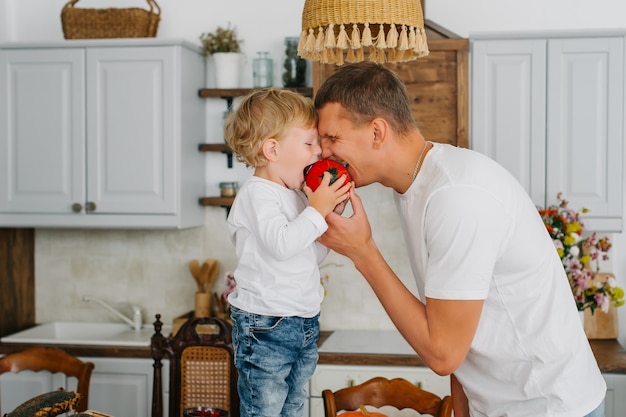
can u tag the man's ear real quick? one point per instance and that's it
(270, 149)
(379, 127)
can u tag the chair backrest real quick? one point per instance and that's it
(379, 392)
(202, 367)
(53, 360)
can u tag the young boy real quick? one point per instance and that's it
(276, 303)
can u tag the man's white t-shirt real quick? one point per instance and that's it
(274, 232)
(473, 233)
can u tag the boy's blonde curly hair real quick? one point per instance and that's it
(263, 114)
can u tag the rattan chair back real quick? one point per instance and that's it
(206, 374)
(202, 370)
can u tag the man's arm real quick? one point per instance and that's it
(459, 400)
(440, 331)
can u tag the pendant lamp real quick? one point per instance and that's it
(338, 31)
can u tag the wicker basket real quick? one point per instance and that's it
(389, 30)
(110, 23)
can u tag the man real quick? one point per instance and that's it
(494, 309)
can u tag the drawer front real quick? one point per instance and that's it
(335, 377)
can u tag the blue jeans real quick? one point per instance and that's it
(598, 412)
(275, 358)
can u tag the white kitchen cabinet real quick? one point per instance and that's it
(17, 388)
(615, 403)
(121, 387)
(550, 109)
(101, 133)
(335, 377)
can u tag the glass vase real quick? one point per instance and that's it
(262, 70)
(294, 66)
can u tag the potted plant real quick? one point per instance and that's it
(225, 48)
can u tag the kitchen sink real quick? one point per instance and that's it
(84, 333)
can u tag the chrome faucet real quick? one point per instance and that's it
(136, 321)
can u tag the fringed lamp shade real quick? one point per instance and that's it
(338, 31)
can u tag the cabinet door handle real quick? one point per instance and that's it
(90, 206)
(77, 207)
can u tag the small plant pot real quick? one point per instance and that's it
(227, 65)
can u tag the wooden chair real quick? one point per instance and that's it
(379, 391)
(202, 368)
(53, 360)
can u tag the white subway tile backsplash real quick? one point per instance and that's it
(149, 268)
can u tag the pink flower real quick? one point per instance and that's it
(231, 284)
(602, 301)
(592, 240)
(574, 265)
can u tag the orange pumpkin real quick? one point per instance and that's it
(362, 411)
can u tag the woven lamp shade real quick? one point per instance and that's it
(338, 31)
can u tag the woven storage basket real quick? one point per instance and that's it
(110, 23)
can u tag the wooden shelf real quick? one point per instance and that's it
(238, 92)
(217, 201)
(214, 147)
(229, 94)
(225, 202)
(218, 147)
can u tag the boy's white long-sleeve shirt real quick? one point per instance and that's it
(274, 232)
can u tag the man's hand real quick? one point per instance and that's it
(349, 236)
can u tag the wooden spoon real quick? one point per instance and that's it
(194, 268)
(215, 267)
(203, 276)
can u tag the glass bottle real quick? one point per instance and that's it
(294, 67)
(262, 70)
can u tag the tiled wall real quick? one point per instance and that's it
(149, 268)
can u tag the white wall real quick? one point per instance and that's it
(149, 267)
(466, 17)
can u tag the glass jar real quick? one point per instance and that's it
(263, 70)
(228, 189)
(294, 67)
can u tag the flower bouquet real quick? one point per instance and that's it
(578, 254)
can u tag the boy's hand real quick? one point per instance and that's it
(327, 198)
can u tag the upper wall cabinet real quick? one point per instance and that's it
(551, 110)
(101, 134)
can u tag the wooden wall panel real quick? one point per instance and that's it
(17, 279)
(437, 86)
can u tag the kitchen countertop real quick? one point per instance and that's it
(610, 355)
(86, 350)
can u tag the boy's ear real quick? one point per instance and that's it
(270, 149)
